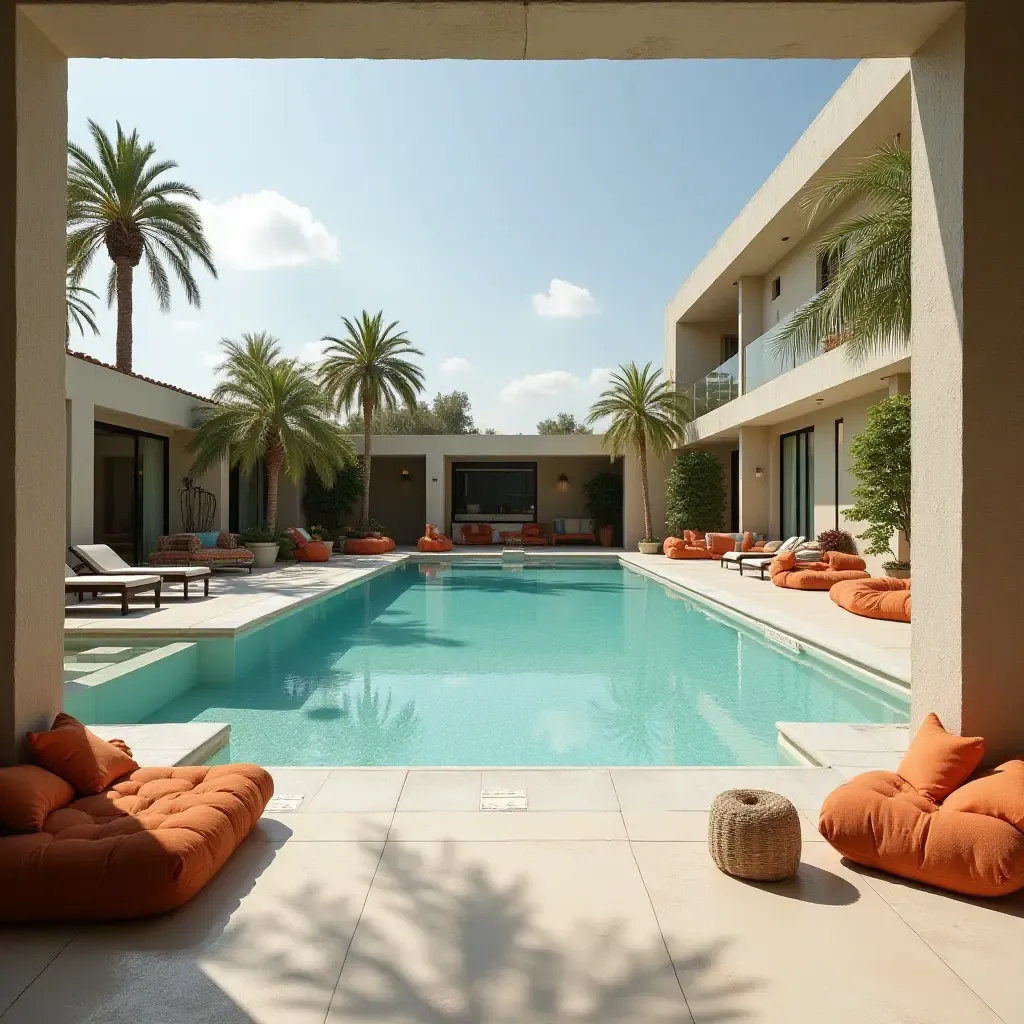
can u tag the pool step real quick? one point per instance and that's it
(513, 557)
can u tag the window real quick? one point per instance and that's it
(494, 491)
(796, 457)
(828, 265)
(776, 288)
(730, 346)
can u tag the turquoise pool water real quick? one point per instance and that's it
(472, 664)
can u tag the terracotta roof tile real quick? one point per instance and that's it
(138, 376)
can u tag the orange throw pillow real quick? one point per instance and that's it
(783, 561)
(937, 762)
(79, 756)
(841, 561)
(29, 795)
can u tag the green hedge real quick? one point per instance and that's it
(695, 494)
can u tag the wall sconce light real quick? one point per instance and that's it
(758, 472)
(405, 476)
(562, 483)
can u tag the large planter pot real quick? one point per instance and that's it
(264, 554)
(649, 547)
(604, 536)
(898, 574)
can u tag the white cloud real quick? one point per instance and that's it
(456, 364)
(185, 326)
(599, 376)
(265, 230)
(551, 384)
(211, 358)
(564, 300)
(312, 351)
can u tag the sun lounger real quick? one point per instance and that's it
(103, 560)
(761, 564)
(737, 557)
(127, 586)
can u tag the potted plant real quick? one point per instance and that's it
(260, 541)
(645, 415)
(650, 546)
(881, 464)
(603, 493)
(322, 534)
(837, 540)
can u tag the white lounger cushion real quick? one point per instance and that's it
(103, 560)
(109, 579)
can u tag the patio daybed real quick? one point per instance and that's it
(880, 597)
(103, 560)
(126, 587)
(87, 835)
(697, 546)
(786, 571)
(188, 549)
(532, 534)
(930, 822)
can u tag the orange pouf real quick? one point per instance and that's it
(144, 846)
(877, 598)
(368, 545)
(676, 547)
(433, 541)
(926, 823)
(786, 571)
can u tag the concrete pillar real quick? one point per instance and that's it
(435, 510)
(755, 499)
(968, 363)
(81, 442)
(899, 384)
(220, 484)
(751, 319)
(33, 417)
(632, 494)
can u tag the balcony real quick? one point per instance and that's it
(763, 364)
(720, 386)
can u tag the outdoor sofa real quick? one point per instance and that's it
(189, 549)
(103, 560)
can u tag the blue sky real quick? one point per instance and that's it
(526, 223)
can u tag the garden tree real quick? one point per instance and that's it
(79, 310)
(448, 414)
(645, 416)
(563, 423)
(118, 200)
(603, 496)
(270, 409)
(866, 302)
(367, 369)
(695, 494)
(880, 456)
(329, 504)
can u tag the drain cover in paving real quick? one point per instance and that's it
(503, 800)
(285, 802)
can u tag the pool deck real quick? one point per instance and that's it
(387, 897)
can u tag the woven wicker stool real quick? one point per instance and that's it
(754, 834)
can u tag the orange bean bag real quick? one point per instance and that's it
(880, 597)
(433, 541)
(927, 823)
(677, 547)
(786, 571)
(144, 846)
(368, 545)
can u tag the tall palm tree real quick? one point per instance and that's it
(79, 310)
(271, 409)
(367, 369)
(866, 301)
(116, 202)
(646, 417)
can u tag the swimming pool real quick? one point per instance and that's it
(476, 664)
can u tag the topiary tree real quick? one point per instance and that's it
(695, 494)
(330, 505)
(881, 464)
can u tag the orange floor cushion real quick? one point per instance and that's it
(678, 548)
(368, 545)
(877, 598)
(435, 543)
(315, 551)
(786, 571)
(926, 823)
(144, 846)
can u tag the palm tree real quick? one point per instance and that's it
(646, 417)
(367, 369)
(79, 310)
(116, 202)
(271, 409)
(866, 301)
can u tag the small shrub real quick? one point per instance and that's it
(330, 505)
(257, 535)
(837, 540)
(695, 494)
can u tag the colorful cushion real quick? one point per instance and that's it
(209, 539)
(79, 756)
(998, 794)
(179, 542)
(840, 561)
(227, 540)
(937, 762)
(28, 795)
(560, 526)
(772, 545)
(571, 526)
(586, 526)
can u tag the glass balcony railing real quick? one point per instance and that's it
(721, 385)
(762, 363)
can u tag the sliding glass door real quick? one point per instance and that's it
(129, 491)
(796, 458)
